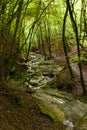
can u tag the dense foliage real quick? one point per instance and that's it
(47, 26)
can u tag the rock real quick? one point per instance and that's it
(34, 82)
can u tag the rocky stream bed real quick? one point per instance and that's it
(59, 105)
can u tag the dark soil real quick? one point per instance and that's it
(24, 115)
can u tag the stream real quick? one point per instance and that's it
(62, 106)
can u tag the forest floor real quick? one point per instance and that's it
(19, 110)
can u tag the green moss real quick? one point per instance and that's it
(47, 111)
(47, 62)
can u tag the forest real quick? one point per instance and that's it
(43, 64)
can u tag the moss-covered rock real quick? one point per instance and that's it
(47, 111)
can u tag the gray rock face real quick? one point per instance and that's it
(65, 108)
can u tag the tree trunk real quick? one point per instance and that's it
(78, 46)
(64, 44)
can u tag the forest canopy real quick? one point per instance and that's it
(43, 25)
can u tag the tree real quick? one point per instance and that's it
(11, 24)
(78, 46)
(64, 43)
